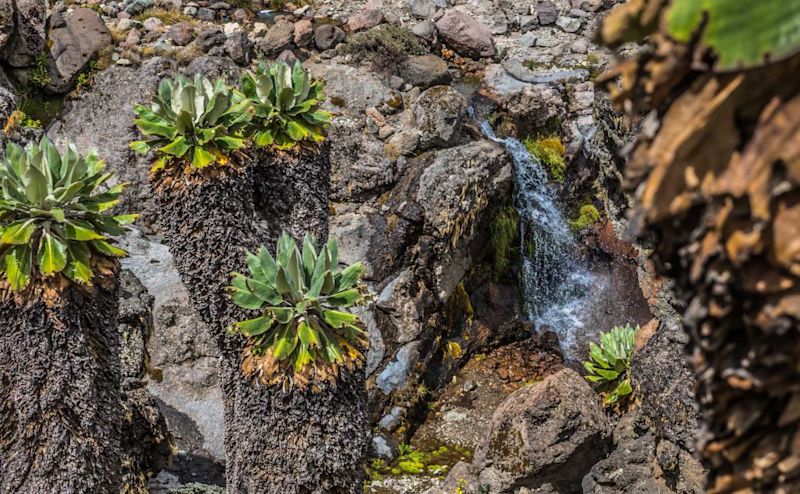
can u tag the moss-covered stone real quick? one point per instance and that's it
(589, 215)
(504, 232)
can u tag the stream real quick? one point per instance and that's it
(557, 285)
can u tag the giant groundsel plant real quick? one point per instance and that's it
(54, 214)
(192, 121)
(304, 335)
(286, 103)
(609, 363)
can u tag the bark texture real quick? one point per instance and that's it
(60, 403)
(716, 174)
(275, 443)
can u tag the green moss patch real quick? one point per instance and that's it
(411, 461)
(504, 232)
(550, 151)
(588, 216)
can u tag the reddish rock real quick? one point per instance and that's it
(466, 35)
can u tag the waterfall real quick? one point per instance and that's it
(555, 282)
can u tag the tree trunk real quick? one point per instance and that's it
(60, 403)
(274, 442)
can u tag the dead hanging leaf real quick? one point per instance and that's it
(786, 235)
(631, 21)
(697, 131)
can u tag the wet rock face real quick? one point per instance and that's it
(547, 433)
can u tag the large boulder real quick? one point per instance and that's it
(73, 46)
(440, 113)
(22, 40)
(545, 435)
(425, 71)
(466, 35)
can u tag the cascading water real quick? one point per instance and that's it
(555, 283)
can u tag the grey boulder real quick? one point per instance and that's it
(466, 35)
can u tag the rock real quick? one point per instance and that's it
(205, 14)
(381, 448)
(527, 22)
(402, 299)
(327, 36)
(278, 38)
(422, 9)
(6, 22)
(396, 374)
(580, 46)
(73, 46)
(147, 443)
(568, 24)
(101, 119)
(215, 67)
(547, 12)
(153, 24)
(641, 463)
(359, 166)
(402, 143)
(369, 17)
(181, 33)
(351, 88)
(9, 98)
(587, 5)
(462, 479)
(425, 30)
(445, 193)
(182, 349)
(27, 38)
(303, 33)
(392, 420)
(209, 38)
(664, 383)
(136, 7)
(238, 47)
(439, 112)
(466, 35)
(425, 71)
(288, 57)
(551, 433)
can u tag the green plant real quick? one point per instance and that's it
(286, 105)
(504, 233)
(53, 218)
(550, 151)
(588, 215)
(609, 363)
(192, 122)
(384, 45)
(301, 336)
(38, 75)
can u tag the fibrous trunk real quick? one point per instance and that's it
(275, 442)
(716, 173)
(60, 404)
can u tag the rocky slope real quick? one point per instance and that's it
(415, 190)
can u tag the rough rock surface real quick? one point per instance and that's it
(465, 34)
(72, 46)
(102, 120)
(440, 113)
(547, 433)
(24, 31)
(661, 377)
(425, 71)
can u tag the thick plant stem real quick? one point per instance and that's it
(275, 443)
(60, 403)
